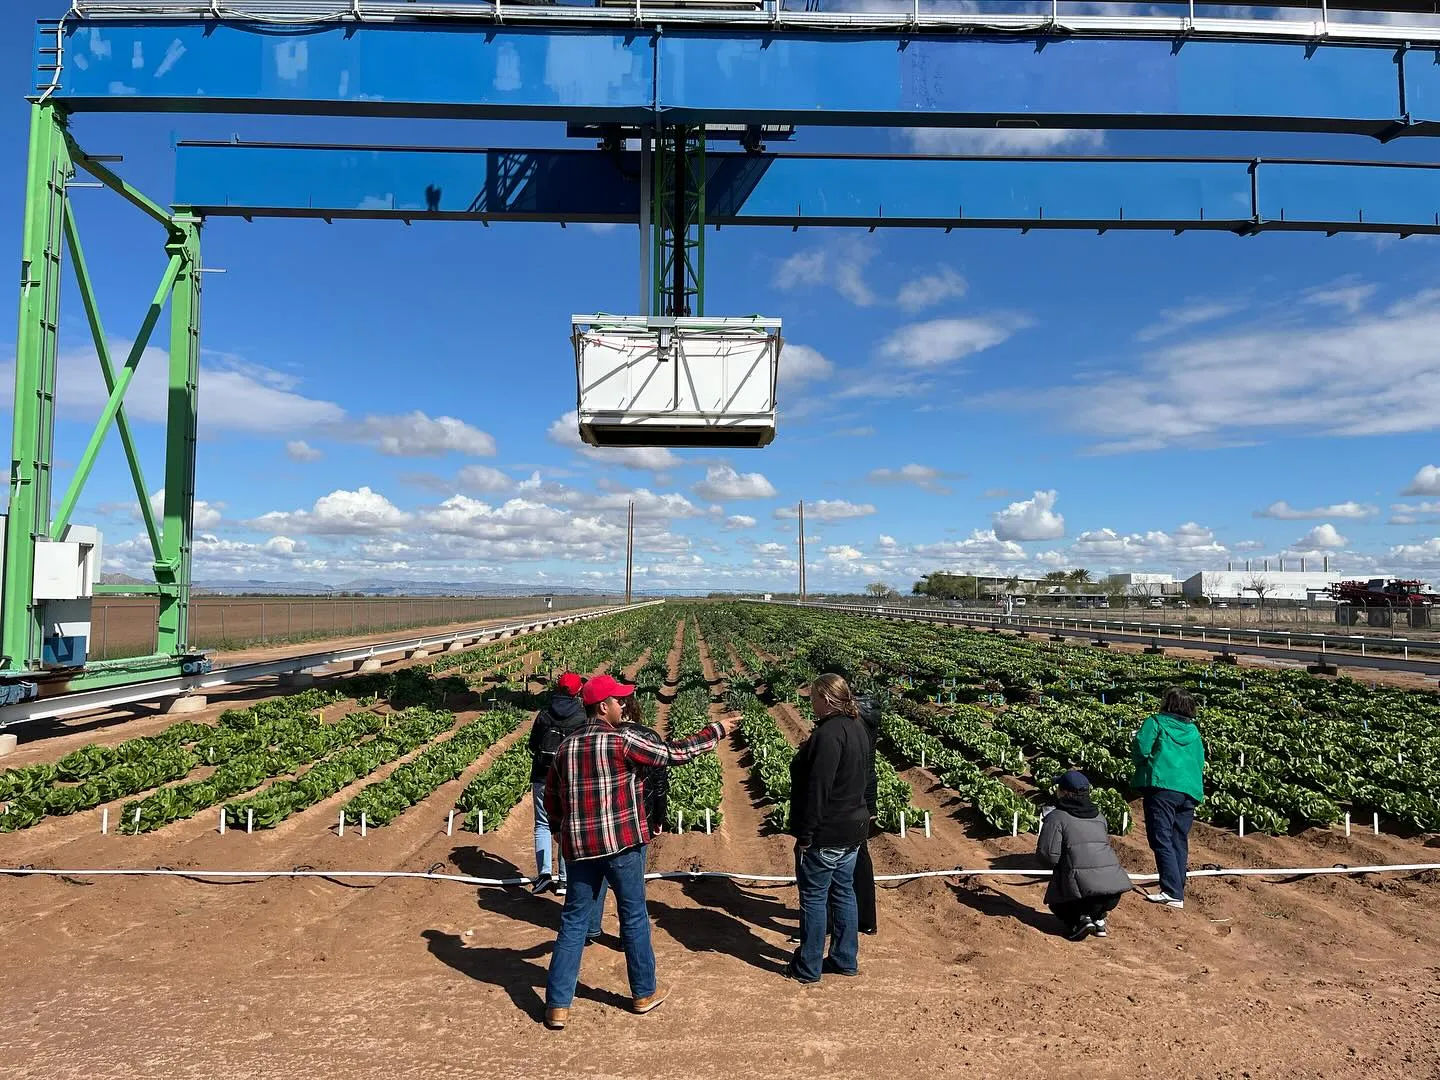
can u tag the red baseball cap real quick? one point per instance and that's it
(569, 682)
(600, 687)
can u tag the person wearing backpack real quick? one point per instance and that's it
(564, 715)
(1088, 880)
(1169, 760)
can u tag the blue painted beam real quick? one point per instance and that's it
(599, 74)
(797, 189)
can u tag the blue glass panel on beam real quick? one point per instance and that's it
(370, 70)
(1131, 82)
(744, 189)
(436, 69)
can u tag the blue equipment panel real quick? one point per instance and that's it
(637, 75)
(786, 189)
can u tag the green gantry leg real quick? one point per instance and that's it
(172, 568)
(36, 345)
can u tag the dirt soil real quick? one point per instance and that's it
(180, 978)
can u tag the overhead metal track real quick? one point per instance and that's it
(1276, 21)
(698, 74)
(1242, 195)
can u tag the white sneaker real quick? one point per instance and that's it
(1164, 898)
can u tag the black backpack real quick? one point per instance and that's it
(556, 731)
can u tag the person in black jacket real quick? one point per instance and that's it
(829, 820)
(563, 716)
(654, 782)
(868, 707)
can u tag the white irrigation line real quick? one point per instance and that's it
(695, 875)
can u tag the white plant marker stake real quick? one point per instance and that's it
(927, 824)
(1375, 823)
(1347, 822)
(480, 818)
(363, 823)
(1242, 759)
(249, 821)
(902, 824)
(1242, 825)
(137, 820)
(450, 824)
(1015, 823)
(922, 757)
(222, 821)
(104, 821)
(342, 822)
(1125, 822)
(707, 821)
(679, 820)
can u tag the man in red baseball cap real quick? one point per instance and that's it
(564, 716)
(593, 796)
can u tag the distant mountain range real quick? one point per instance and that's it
(365, 587)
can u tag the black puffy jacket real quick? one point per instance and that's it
(869, 709)
(565, 715)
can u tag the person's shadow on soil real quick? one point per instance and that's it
(707, 930)
(513, 970)
(508, 901)
(1001, 905)
(760, 911)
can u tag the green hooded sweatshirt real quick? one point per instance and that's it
(1169, 754)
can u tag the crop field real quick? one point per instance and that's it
(425, 767)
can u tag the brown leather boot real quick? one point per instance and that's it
(643, 1005)
(555, 1019)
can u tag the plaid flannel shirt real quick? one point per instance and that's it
(592, 793)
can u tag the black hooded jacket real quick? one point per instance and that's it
(869, 710)
(563, 716)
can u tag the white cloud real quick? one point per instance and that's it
(771, 548)
(1348, 298)
(982, 544)
(943, 341)
(931, 289)
(843, 553)
(1426, 553)
(566, 432)
(207, 515)
(1350, 510)
(340, 513)
(301, 451)
(722, 483)
(1194, 313)
(1002, 142)
(926, 477)
(417, 435)
(1426, 482)
(839, 265)
(1030, 519)
(1188, 543)
(739, 521)
(800, 363)
(1372, 375)
(484, 479)
(887, 543)
(828, 510)
(1321, 538)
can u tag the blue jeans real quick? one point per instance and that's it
(827, 899)
(547, 849)
(1168, 817)
(625, 873)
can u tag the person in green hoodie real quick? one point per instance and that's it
(1169, 760)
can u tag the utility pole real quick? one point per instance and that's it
(801, 514)
(629, 550)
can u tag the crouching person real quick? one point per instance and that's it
(1075, 842)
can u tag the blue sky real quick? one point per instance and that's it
(384, 401)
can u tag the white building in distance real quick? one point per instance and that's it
(1278, 584)
(1143, 584)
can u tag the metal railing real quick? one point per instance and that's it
(1259, 21)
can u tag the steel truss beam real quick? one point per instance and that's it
(50, 228)
(1242, 195)
(694, 75)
